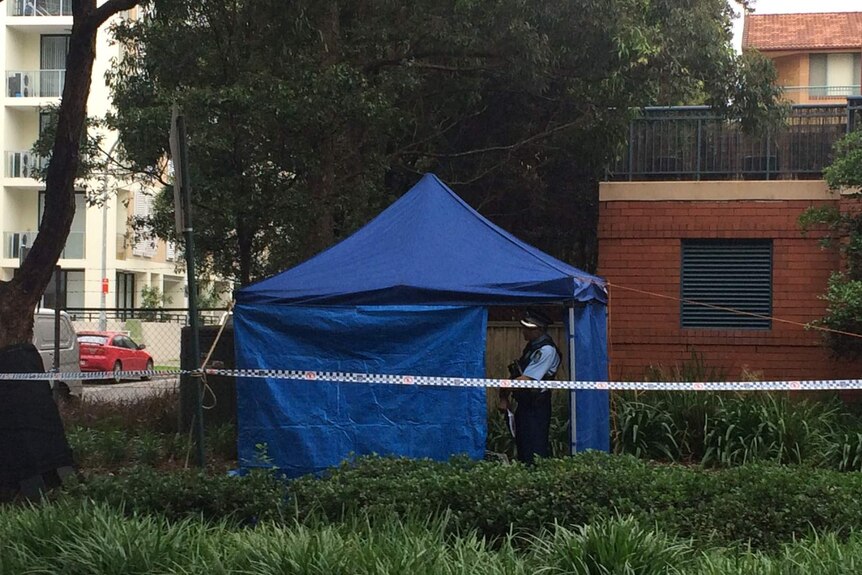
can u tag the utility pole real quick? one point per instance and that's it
(183, 220)
(103, 288)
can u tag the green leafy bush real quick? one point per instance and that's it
(763, 505)
(187, 493)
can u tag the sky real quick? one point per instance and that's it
(790, 6)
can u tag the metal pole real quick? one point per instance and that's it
(57, 281)
(103, 320)
(193, 304)
(573, 400)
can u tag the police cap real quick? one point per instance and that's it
(536, 319)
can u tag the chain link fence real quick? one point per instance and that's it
(156, 333)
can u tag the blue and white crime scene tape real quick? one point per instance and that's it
(434, 381)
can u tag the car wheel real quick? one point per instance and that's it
(148, 368)
(118, 367)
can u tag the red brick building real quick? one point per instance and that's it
(648, 230)
(697, 211)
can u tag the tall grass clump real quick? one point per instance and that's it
(725, 429)
(83, 538)
(87, 539)
(79, 538)
(613, 545)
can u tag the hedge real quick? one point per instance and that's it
(760, 505)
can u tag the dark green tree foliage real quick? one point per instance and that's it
(843, 229)
(307, 118)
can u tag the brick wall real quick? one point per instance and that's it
(640, 251)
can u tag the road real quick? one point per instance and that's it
(130, 390)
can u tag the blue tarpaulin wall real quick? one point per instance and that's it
(591, 408)
(302, 426)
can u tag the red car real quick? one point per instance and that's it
(112, 351)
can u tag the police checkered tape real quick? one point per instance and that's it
(449, 381)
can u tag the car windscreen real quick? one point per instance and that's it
(93, 339)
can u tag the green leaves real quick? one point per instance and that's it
(307, 118)
(841, 228)
(723, 429)
(845, 172)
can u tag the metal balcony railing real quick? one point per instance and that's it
(821, 92)
(35, 83)
(39, 7)
(24, 164)
(15, 242)
(694, 143)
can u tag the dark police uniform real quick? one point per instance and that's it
(540, 361)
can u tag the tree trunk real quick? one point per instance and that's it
(244, 238)
(20, 296)
(35, 449)
(323, 186)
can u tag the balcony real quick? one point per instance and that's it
(35, 83)
(801, 94)
(14, 242)
(694, 143)
(39, 7)
(24, 164)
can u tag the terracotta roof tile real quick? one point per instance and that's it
(807, 31)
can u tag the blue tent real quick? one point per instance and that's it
(418, 275)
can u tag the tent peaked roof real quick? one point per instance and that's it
(428, 248)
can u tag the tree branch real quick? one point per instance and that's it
(372, 67)
(510, 147)
(109, 8)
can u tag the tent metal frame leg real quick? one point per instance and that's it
(573, 428)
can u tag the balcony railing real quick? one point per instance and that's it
(24, 164)
(39, 7)
(14, 242)
(694, 143)
(796, 93)
(35, 83)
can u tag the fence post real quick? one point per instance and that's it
(699, 144)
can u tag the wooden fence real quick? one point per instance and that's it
(505, 343)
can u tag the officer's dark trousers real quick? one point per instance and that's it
(532, 424)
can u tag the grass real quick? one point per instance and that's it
(110, 435)
(157, 412)
(78, 538)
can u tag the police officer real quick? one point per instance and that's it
(539, 362)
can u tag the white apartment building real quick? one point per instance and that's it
(33, 48)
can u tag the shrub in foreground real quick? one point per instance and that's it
(764, 505)
(760, 505)
(181, 494)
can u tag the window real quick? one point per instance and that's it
(46, 120)
(71, 291)
(76, 240)
(43, 326)
(834, 75)
(125, 291)
(145, 244)
(52, 65)
(728, 274)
